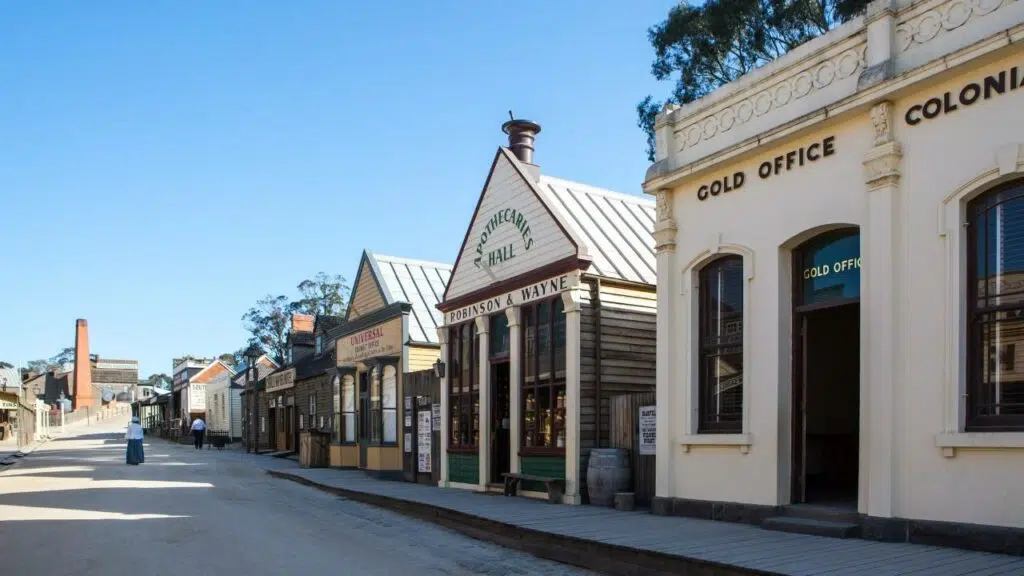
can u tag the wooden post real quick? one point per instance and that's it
(515, 385)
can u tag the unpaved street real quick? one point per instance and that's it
(74, 508)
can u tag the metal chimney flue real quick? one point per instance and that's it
(521, 134)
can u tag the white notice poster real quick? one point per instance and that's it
(408, 442)
(647, 429)
(423, 446)
(436, 409)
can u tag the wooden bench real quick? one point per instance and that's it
(554, 486)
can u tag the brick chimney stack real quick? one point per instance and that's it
(83, 394)
(302, 322)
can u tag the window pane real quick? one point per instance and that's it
(559, 338)
(721, 339)
(467, 362)
(350, 427)
(544, 338)
(1001, 390)
(348, 393)
(390, 425)
(390, 385)
(1000, 250)
(530, 341)
(499, 334)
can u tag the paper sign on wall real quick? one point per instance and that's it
(408, 442)
(436, 409)
(423, 446)
(647, 430)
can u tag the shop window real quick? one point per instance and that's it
(721, 346)
(499, 336)
(376, 413)
(463, 388)
(336, 419)
(348, 408)
(995, 307)
(319, 344)
(543, 426)
(390, 390)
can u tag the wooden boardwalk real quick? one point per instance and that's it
(739, 545)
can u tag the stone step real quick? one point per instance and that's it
(812, 527)
(826, 513)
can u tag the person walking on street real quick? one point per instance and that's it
(133, 435)
(198, 429)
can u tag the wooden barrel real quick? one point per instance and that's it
(607, 473)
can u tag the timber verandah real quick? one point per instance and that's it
(615, 542)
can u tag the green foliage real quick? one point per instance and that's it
(228, 358)
(161, 381)
(268, 322)
(709, 45)
(323, 295)
(65, 356)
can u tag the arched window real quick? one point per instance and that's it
(721, 346)
(995, 308)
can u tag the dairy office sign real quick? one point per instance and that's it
(517, 297)
(380, 340)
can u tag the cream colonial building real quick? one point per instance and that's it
(840, 242)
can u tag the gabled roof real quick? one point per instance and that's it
(203, 373)
(419, 283)
(607, 234)
(617, 229)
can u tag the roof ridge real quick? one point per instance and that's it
(404, 260)
(590, 188)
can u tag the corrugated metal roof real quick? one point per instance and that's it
(418, 283)
(616, 228)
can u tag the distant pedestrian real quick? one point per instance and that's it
(134, 455)
(198, 430)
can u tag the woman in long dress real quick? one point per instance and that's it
(133, 435)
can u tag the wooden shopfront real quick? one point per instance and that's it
(383, 338)
(550, 312)
(279, 396)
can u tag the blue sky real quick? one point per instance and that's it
(165, 164)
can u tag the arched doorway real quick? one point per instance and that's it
(826, 369)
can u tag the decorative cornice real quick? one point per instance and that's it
(797, 85)
(921, 27)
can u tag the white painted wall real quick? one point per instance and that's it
(506, 190)
(915, 461)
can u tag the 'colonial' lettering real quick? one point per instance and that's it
(950, 102)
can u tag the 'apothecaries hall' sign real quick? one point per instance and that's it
(518, 236)
(381, 340)
(518, 297)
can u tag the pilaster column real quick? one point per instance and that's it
(571, 299)
(515, 386)
(666, 379)
(442, 337)
(483, 329)
(882, 352)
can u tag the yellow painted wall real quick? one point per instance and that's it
(366, 297)
(422, 357)
(383, 458)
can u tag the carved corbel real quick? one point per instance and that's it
(882, 163)
(665, 228)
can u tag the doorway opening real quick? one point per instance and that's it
(500, 422)
(826, 371)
